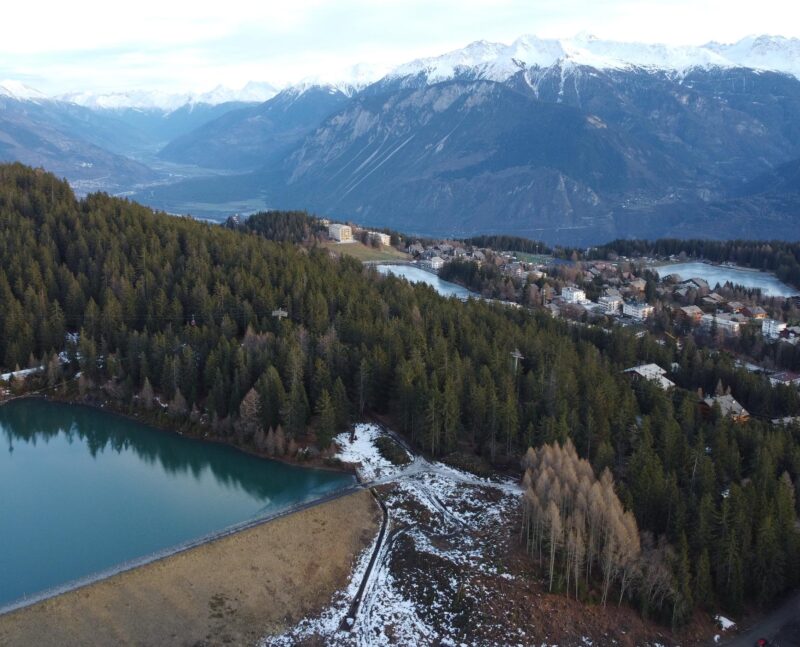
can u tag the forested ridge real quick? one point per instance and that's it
(177, 311)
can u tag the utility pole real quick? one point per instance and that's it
(517, 356)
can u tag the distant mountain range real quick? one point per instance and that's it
(573, 141)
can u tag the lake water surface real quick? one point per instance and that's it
(418, 275)
(83, 491)
(769, 283)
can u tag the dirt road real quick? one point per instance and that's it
(781, 627)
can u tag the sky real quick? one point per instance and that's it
(179, 46)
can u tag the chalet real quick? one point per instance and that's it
(696, 283)
(444, 248)
(692, 313)
(651, 373)
(728, 407)
(415, 249)
(714, 300)
(735, 306)
(754, 312)
(638, 284)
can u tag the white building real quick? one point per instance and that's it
(725, 324)
(652, 373)
(639, 311)
(573, 295)
(611, 304)
(436, 263)
(342, 233)
(772, 329)
(383, 239)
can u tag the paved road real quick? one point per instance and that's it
(781, 627)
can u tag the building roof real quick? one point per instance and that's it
(652, 372)
(728, 405)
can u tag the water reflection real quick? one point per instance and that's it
(84, 490)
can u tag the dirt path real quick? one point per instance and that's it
(231, 591)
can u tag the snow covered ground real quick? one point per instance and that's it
(359, 448)
(725, 623)
(433, 548)
(443, 571)
(5, 377)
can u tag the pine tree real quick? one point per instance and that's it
(326, 425)
(146, 395)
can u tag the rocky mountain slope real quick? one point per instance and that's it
(252, 136)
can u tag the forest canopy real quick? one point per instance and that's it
(160, 309)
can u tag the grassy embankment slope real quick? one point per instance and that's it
(234, 590)
(364, 253)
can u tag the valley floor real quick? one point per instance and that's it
(230, 591)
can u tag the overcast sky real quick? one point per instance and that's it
(170, 45)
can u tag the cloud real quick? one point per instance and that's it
(182, 45)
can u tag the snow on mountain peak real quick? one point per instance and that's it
(348, 81)
(20, 91)
(252, 92)
(763, 53)
(497, 61)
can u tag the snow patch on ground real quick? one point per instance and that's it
(5, 377)
(359, 448)
(725, 623)
(435, 551)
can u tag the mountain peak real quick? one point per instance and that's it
(252, 92)
(497, 61)
(19, 91)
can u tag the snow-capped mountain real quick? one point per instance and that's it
(20, 92)
(252, 92)
(574, 141)
(763, 53)
(498, 62)
(348, 82)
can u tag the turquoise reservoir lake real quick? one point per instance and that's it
(83, 491)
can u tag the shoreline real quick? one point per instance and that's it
(704, 261)
(109, 407)
(237, 589)
(171, 551)
(166, 553)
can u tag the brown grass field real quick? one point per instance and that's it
(231, 591)
(364, 253)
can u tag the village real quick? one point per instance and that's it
(637, 293)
